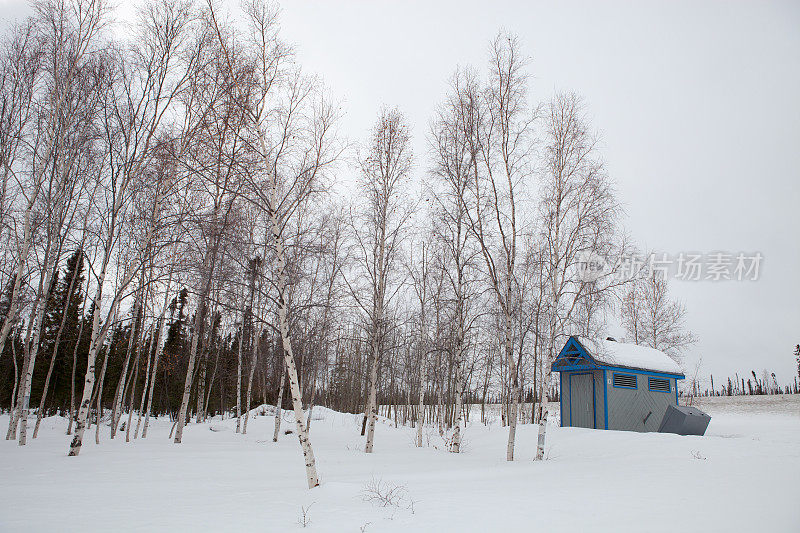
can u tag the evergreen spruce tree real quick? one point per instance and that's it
(59, 334)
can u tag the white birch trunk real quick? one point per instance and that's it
(278, 413)
(159, 349)
(460, 381)
(239, 380)
(311, 403)
(421, 409)
(294, 386)
(540, 442)
(88, 385)
(543, 419)
(199, 317)
(98, 401)
(98, 337)
(455, 444)
(131, 398)
(146, 383)
(11, 316)
(377, 332)
(250, 379)
(513, 390)
(116, 411)
(25, 390)
(72, 414)
(372, 399)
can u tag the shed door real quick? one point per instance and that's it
(581, 404)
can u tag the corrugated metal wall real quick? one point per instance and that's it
(628, 409)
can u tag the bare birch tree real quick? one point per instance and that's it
(293, 138)
(496, 123)
(69, 33)
(653, 319)
(385, 172)
(578, 212)
(136, 100)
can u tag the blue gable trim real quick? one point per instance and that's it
(573, 356)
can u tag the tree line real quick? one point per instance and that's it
(174, 241)
(767, 384)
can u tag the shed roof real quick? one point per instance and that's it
(614, 353)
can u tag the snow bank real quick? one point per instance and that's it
(741, 476)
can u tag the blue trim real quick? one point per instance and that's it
(644, 372)
(650, 385)
(573, 346)
(676, 393)
(613, 374)
(570, 368)
(594, 403)
(605, 398)
(594, 398)
(560, 397)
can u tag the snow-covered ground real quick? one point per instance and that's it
(743, 475)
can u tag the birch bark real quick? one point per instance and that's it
(279, 404)
(239, 378)
(421, 409)
(121, 384)
(294, 387)
(72, 413)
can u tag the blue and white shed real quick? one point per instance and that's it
(605, 384)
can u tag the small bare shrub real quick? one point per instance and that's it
(305, 517)
(384, 493)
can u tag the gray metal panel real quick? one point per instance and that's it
(565, 395)
(597, 417)
(600, 400)
(637, 409)
(582, 408)
(684, 420)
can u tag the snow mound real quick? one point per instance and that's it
(264, 409)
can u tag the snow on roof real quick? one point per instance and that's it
(615, 353)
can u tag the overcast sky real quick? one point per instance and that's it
(698, 105)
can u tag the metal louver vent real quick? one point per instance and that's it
(626, 381)
(659, 384)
